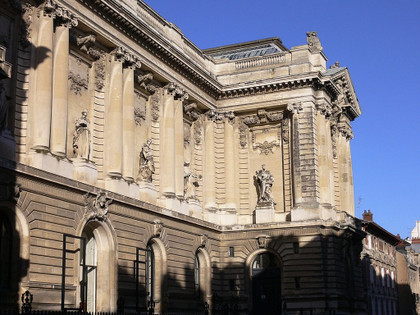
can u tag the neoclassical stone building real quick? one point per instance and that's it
(138, 170)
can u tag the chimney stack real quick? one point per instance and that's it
(368, 216)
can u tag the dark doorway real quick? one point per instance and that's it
(266, 284)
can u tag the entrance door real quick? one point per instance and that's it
(266, 285)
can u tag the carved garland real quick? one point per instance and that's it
(77, 83)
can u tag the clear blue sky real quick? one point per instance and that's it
(379, 41)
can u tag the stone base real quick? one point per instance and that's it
(7, 145)
(85, 171)
(50, 163)
(316, 212)
(264, 213)
(172, 203)
(120, 186)
(245, 219)
(221, 216)
(194, 208)
(148, 192)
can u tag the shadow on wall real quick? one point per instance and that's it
(14, 231)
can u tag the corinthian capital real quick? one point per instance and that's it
(119, 54)
(66, 18)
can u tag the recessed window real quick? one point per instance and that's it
(5, 252)
(231, 252)
(297, 282)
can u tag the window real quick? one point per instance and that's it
(383, 276)
(5, 252)
(392, 279)
(197, 276)
(91, 255)
(231, 252)
(150, 273)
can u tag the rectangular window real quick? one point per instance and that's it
(296, 247)
(231, 252)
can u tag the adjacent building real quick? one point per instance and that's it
(139, 171)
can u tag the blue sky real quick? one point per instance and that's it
(379, 41)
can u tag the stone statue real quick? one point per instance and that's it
(81, 137)
(264, 183)
(190, 182)
(146, 163)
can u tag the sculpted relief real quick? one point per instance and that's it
(265, 182)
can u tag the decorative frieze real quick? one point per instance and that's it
(217, 116)
(263, 117)
(77, 83)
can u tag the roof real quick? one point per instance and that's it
(255, 48)
(379, 231)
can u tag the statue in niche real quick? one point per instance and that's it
(264, 183)
(190, 182)
(81, 137)
(146, 163)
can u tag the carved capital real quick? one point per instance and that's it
(295, 108)
(324, 109)
(66, 18)
(132, 61)
(176, 91)
(86, 42)
(345, 131)
(119, 54)
(48, 8)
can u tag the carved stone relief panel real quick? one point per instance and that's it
(79, 95)
(266, 139)
(139, 109)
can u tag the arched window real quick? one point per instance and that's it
(6, 239)
(150, 273)
(90, 255)
(197, 277)
(266, 284)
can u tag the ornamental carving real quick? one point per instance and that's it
(264, 181)
(145, 79)
(100, 73)
(295, 108)
(266, 139)
(334, 135)
(191, 111)
(97, 207)
(216, 116)
(66, 18)
(263, 117)
(203, 240)
(313, 41)
(77, 83)
(285, 130)
(324, 109)
(262, 241)
(139, 115)
(198, 130)
(346, 131)
(243, 134)
(85, 43)
(176, 91)
(157, 227)
(155, 106)
(146, 162)
(25, 25)
(343, 89)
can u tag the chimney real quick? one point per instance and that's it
(368, 216)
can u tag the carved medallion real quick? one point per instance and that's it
(97, 207)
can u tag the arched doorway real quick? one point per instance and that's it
(266, 284)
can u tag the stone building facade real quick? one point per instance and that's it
(138, 170)
(380, 261)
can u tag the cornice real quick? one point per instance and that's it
(145, 36)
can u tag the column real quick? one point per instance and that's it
(60, 79)
(230, 169)
(114, 118)
(42, 104)
(209, 189)
(128, 123)
(325, 187)
(179, 146)
(167, 145)
(350, 189)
